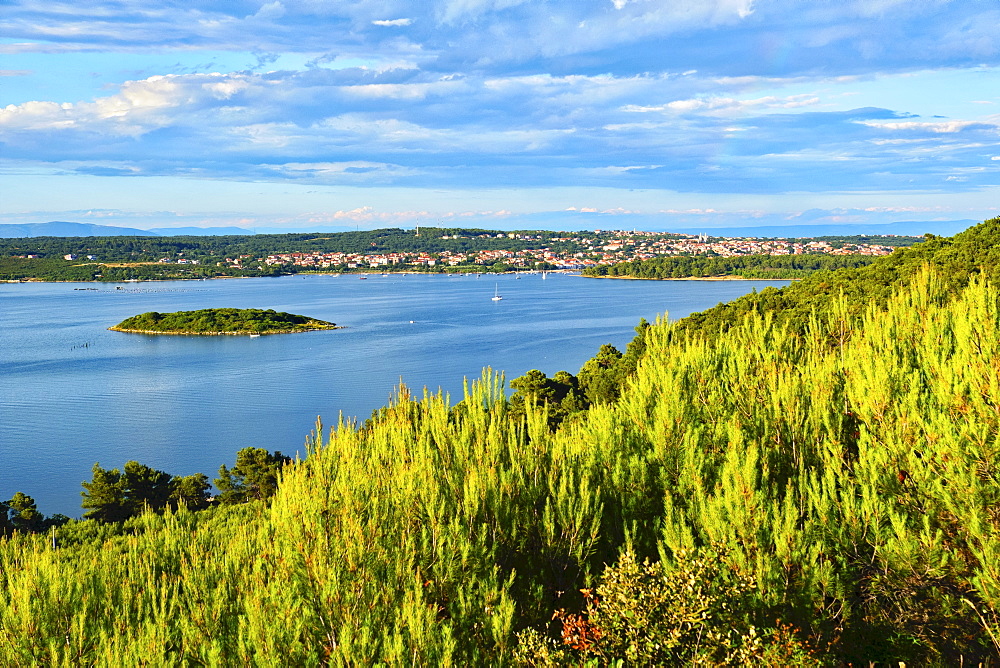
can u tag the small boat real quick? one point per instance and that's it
(362, 278)
(255, 336)
(496, 294)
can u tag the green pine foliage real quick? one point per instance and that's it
(780, 491)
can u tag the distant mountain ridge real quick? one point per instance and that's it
(906, 228)
(58, 228)
(199, 231)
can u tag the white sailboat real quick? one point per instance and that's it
(496, 293)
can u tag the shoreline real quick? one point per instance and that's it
(569, 272)
(236, 333)
(692, 278)
(565, 272)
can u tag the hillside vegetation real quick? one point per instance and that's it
(816, 487)
(212, 321)
(743, 266)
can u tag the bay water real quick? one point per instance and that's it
(73, 393)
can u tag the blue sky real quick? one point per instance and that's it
(653, 114)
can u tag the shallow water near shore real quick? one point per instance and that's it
(73, 393)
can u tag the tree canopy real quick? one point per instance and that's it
(221, 321)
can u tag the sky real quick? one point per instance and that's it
(558, 114)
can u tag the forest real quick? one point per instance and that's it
(745, 266)
(805, 476)
(430, 239)
(142, 258)
(221, 321)
(58, 269)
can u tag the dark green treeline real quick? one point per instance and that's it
(744, 266)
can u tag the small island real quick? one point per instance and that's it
(221, 322)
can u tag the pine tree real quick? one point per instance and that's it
(6, 526)
(190, 491)
(145, 487)
(25, 516)
(599, 376)
(104, 496)
(255, 475)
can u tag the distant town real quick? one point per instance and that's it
(603, 248)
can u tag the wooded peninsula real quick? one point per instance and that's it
(427, 250)
(221, 321)
(805, 476)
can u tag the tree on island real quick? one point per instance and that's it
(221, 321)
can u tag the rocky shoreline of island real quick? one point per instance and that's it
(233, 333)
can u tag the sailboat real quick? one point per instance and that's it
(496, 293)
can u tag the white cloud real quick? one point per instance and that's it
(727, 105)
(392, 22)
(453, 10)
(612, 170)
(456, 115)
(270, 11)
(139, 106)
(904, 209)
(939, 127)
(370, 214)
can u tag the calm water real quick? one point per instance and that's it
(73, 393)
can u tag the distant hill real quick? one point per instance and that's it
(64, 229)
(199, 231)
(909, 228)
(59, 228)
(606, 222)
